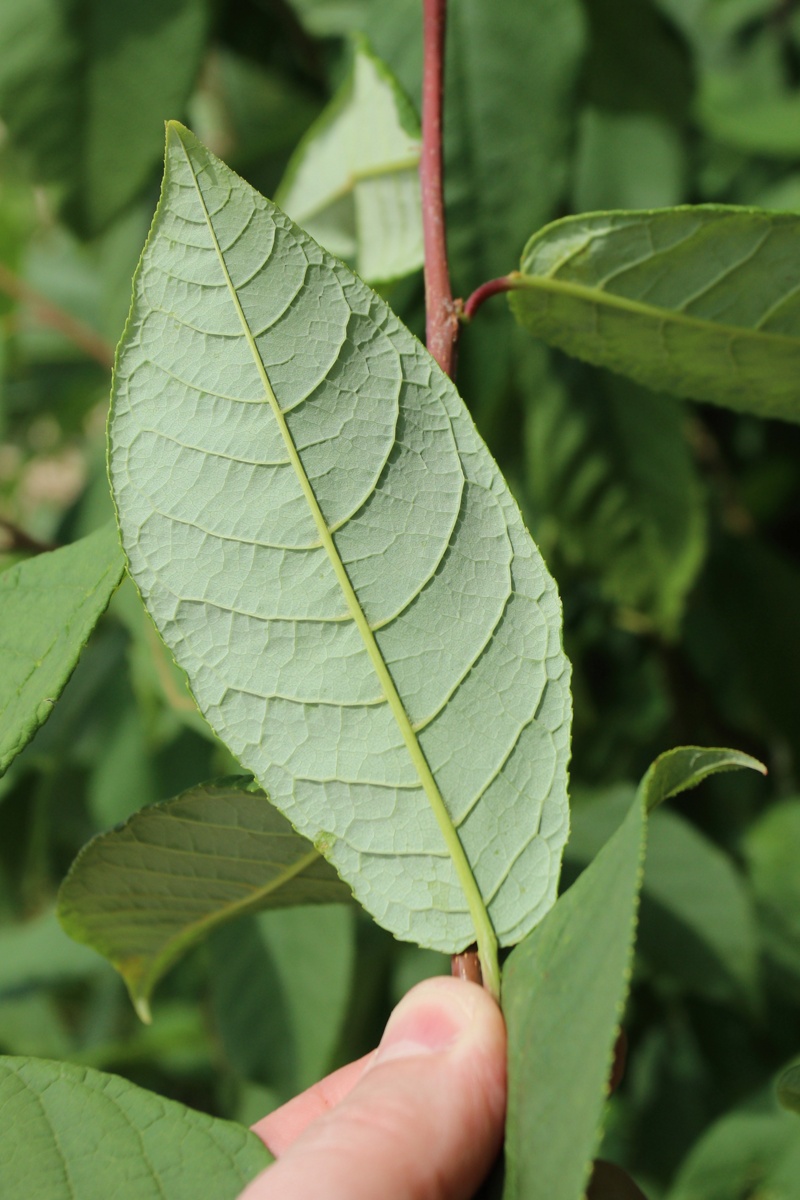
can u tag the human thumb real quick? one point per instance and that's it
(425, 1119)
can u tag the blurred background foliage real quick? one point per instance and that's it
(671, 528)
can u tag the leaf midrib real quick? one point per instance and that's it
(485, 934)
(598, 297)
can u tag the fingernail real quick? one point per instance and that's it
(431, 1018)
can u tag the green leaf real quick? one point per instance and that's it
(696, 301)
(683, 768)
(788, 1088)
(697, 923)
(38, 951)
(772, 849)
(353, 182)
(334, 558)
(627, 160)
(614, 492)
(563, 992)
(281, 984)
(144, 893)
(71, 1131)
(48, 607)
(750, 1154)
(85, 87)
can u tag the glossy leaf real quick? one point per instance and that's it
(140, 1146)
(353, 182)
(563, 992)
(678, 770)
(48, 607)
(697, 301)
(84, 89)
(328, 548)
(146, 891)
(613, 491)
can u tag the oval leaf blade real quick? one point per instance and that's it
(71, 1131)
(327, 546)
(48, 607)
(144, 893)
(702, 302)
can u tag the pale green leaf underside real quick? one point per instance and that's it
(48, 607)
(353, 182)
(327, 546)
(678, 770)
(145, 892)
(71, 1133)
(703, 302)
(564, 989)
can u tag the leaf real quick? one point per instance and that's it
(281, 984)
(326, 545)
(627, 160)
(353, 182)
(37, 952)
(71, 1131)
(696, 301)
(772, 848)
(697, 924)
(85, 87)
(614, 492)
(144, 893)
(683, 768)
(788, 1089)
(751, 1153)
(48, 607)
(563, 992)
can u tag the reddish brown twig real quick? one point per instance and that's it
(506, 283)
(467, 966)
(47, 313)
(442, 326)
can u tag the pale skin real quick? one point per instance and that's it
(420, 1118)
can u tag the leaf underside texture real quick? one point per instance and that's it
(327, 546)
(700, 301)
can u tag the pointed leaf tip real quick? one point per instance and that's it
(685, 767)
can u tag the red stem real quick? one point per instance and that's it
(442, 326)
(506, 283)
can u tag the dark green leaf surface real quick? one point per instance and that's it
(683, 768)
(48, 607)
(142, 894)
(334, 558)
(353, 182)
(70, 1133)
(564, 989)
(702, 302)
(85, 86)
(614, 492)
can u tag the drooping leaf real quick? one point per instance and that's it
(71, 1131)
(697, 924)
(48, 607)
(146, 891)
(696, 301)
(86, 86)
(328, 548)
(678, 770)
(563, 992)
(353, 182)
(613, 491)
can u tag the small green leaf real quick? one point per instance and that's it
(334, 558)
(564, 989)
(48, 607)
(73, 1132)
(788, 1088)
(144, 893)
(697, 301)
(353, 182)
(684, 767)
